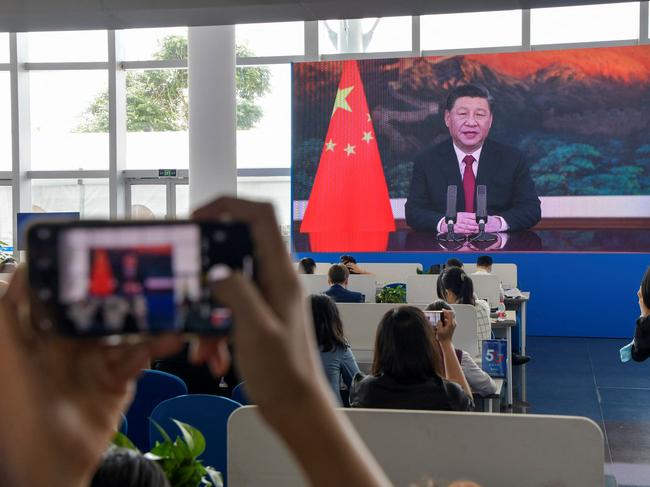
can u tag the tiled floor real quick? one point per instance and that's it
(585, 377)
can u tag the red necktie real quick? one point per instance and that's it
(469, 183)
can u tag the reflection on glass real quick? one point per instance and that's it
(276, 190)
(157, 119)
(69, 119)
(264, 116)
(182, 201)
(585, 23)
(72, 46)
(151, 44)
(6, 216)
(148, 201)
(489, 29)
(384, 34)
(87, 196)
(270, 39)
(5, 123)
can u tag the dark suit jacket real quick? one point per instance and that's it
(341, 295)
(510, 189)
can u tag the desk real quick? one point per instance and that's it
(502, 329)
(519, 304)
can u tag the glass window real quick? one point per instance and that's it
(488, 29)
(157, 119)
(271, 39)
(4, 47)
(150, 44)
(264, 116)
(148, 201)
(364, 35)
(6, 216)
(73, 46)
(182, 201)
(588, 23)
(69, 119)
(277, 190)
(87, 196)
(5, 122)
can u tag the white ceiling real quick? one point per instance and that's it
(34, 15)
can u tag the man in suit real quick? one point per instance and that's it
(468, 160)
(337, 278)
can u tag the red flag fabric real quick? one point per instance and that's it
(349, 195)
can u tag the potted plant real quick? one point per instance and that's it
(391, 294)
(179, 458)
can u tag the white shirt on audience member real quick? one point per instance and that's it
(479, 381)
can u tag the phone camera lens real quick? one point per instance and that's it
(45, 294)
(43, 233)
(219, 236)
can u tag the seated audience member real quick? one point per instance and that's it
(453, 262)
(351, 263)
(128, 468)
(484, 267)
(456, 287)
(306, 266)
(478, 380)
(406, 372)
(335, 353)
(337, 277)
(641, 343)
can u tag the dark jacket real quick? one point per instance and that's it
(341, 295)
(511, 191)
(641, 345)
(386, 392)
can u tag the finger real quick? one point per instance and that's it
(277, 278)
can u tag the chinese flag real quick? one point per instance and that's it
(349, 208)
(101, 276)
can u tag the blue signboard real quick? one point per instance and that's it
(493, 360)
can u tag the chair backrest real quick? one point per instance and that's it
(421, 288)
(317, 284)
(507, 273)
(466, 333)
(486, 286)
(365, 284)
(123, 427)
(153, 387)
(391, 272)
(313, 283)
(209, 414)
(491, 449)
(239, 395)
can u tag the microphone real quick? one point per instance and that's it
(451, 215)
(482, 216)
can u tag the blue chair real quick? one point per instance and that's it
(239, 395)
(153, 388)
(124, 425)
(209, 414)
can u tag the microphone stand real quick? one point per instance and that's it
(451, 236)
(482, 235)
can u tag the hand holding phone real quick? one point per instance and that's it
(433, 317)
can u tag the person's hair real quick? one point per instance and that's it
(306, 266)
(327, 323)
(455, 280)
(454, 262)
(338, 274)
(404, 346)
(645, 288)
(438, 305)
(471, 91)
(128, 468)
(440, 289)
(484, 261)
(348, 259)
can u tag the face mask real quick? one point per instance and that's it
(626, 352)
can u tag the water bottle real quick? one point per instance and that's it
(501, 309)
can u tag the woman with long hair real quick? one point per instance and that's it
(407, 369)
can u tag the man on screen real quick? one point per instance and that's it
(468, 160)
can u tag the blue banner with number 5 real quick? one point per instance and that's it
(493, 360)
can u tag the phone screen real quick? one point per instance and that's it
(100, 279)
(434, 317)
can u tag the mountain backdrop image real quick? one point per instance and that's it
(581, 116)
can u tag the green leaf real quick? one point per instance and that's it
(193, 437)
(215, 478)
(161, 430)
(122, 441)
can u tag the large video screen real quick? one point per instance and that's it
(560, 145)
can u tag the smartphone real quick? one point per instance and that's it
(99, 278)
(434, 317)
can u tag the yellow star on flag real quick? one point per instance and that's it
(330, 145)
(367, 137)
(349, 150)
(340, 101)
